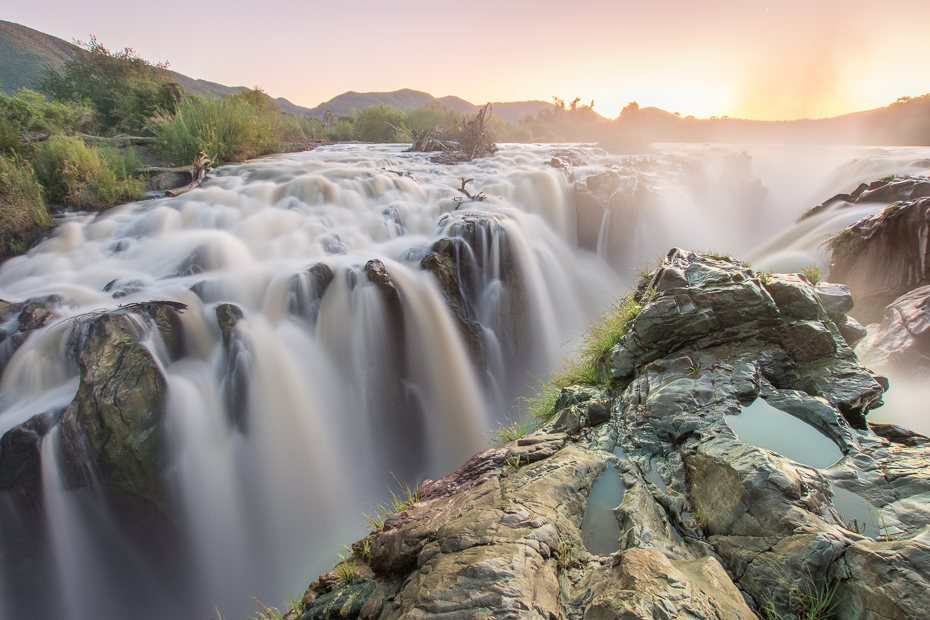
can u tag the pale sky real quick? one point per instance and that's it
(758, 59)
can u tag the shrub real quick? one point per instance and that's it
(429, 117)
(27, 112)
(381, 123)
(87, 177)
(22, 213)
(124, 89)
(297, 128)
(228, 129)
(344, 130)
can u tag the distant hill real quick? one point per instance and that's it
(903, 123)
(25, 53)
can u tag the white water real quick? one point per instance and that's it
(331, 412)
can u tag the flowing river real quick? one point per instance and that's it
(340, 394)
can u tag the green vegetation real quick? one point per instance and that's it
(567, 556)
(266, 613)
(506, 433)
(87, 177)
(22, 213)
(123, 89)
(600, 337)
(345, 570)
(398, 503)
(842, 241)
(807, 602)
(812, 272)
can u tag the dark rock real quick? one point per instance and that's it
(794, 295)
(236, 349)
(227, 316)
(377, 274)
(20, 464)
(162, 181)
(883, 256)
(898, 434)
(850, 329)
(124, 288)
(836, 298)
(37, 313)
(306, 290)
(808, 340)
(344, 603)
(114, 421)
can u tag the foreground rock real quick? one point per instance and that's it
(708, 526)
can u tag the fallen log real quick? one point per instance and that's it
(200, 167)
(117, 141)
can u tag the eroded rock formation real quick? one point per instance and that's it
(709, 526)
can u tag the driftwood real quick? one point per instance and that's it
(479, 196)
(199, 173)
(191, 170)
(117, 141)
(473, 140)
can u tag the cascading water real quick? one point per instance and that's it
(344, 362)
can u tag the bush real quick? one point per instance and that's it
(344, 130)
(228, 129)
(297, 128)
(22, 213)
(381, 123)
(28, 113)
(124, 89)
(87, 177)
(429, 117)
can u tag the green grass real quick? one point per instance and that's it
(600, 337)
(399, 502)
(812, 272)
(507, 433)
(266, 613)
(567, 556)
(346, 570)
(86, 177)
(22, 211)
(842, 241)
(231, 130)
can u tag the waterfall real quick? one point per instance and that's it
(349, 363)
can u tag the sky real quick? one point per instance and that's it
(769, 60)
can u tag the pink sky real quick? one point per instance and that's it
(750, 58)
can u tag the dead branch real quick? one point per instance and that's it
(117, 141)
(477, 197)
(201, 166)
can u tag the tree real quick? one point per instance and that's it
(124, 89)
(329, 120)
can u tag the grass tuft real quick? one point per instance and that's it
(812, 272)
(842, 241)
(507, 433)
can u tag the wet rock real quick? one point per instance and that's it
(167, 180)
(794, 295)
(37, 313)
(708, 524)
(850, 329)
(883, 256)
(341, 604)
(123, 288)
(836, 298)
(20, 464)
(443, 261)
(237, 352)
(887, 191)
(114, 422)
(902, 340)
(306, 290)
(378, 275)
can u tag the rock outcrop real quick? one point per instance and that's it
(884, 256)
(902, 340)
(709, 526)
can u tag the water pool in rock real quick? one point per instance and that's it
(856, 511)
(764, 426)
(600, 530)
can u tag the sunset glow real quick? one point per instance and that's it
(748, 58)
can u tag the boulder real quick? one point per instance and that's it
(113, 425)
(883, 256)
(20, 462)
(237, 352)
(902, 340)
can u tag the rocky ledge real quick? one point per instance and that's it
(709, 526)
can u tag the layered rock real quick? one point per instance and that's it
(902, 340)
(884, 256)
(709, 526)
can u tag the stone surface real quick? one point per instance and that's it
(114, 422)
(902, 340)
(885, 255)
(709, 526)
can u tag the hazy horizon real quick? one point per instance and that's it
(743, 59)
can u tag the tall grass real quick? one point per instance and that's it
(231, 130)
(22, 212)
(86, 177)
